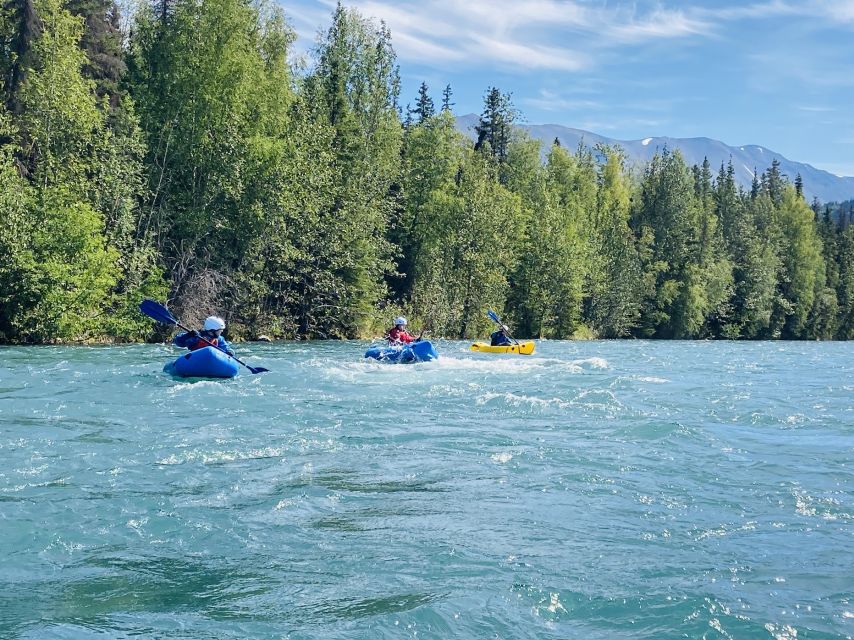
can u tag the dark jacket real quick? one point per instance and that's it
(499, 339)
(192, 342)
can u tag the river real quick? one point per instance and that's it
(594, 490)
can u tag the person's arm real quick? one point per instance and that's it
(185, 339)
(222, 342)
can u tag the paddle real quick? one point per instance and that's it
(494, 317)
(158, 312)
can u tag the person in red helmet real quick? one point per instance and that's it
(398, 333)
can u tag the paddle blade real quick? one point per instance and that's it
(493, 316)
(257, 369)
(157, 311)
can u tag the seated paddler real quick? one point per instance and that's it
(210, 335)
(500, 338)
(398, 333)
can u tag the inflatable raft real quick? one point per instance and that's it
(422, 351)
(208, 362)
(524, 348)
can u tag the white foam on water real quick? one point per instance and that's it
(214, 457)
(501, 458)
(193, 386)
(518, 400)
(652, 379)
(781, 632)
(592, 362)
(35, 485)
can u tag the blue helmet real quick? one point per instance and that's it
(400, 320)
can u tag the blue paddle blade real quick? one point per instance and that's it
(157, 311)
(493, 316)
(255, 369)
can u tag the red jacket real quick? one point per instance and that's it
(399, 335)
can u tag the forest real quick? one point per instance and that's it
(186, 153)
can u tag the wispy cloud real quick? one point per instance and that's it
(660, 24)
(833, 11)
(521, 34)
(551, 101)
(814, 109)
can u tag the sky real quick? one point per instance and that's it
(774, 73)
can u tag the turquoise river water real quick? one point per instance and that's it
(595, 490)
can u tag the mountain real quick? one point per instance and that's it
(817, 183)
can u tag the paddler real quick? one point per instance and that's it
(500, 338)
(398, 333)
(211, 334)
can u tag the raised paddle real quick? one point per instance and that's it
(158, 312)
(494, 317)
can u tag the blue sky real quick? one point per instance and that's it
(776, 73)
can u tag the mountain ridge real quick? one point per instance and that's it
(827, 187)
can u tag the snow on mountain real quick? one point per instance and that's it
(817, 183)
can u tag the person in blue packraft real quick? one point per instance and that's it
(210, 335)
(398, 333)
(500, 338)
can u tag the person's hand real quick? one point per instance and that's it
(193, 334)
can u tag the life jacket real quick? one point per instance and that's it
(400, 335)
(201, 344)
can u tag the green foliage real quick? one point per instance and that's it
(549, 277)
(466, 271)
(616, 285)
(803, 263)
(220, 175)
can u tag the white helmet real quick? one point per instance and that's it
(212, 323)
(400, 320)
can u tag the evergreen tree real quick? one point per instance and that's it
(495, 128)
(19, 27)
(102, 42)
(424, 107)
(446, 99)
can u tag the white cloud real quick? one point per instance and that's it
(520, 34)
(551, 101)
(838, 10)
(834, 11)
(660, 24)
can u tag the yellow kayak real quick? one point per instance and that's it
(523, 348)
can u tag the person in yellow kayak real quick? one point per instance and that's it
(500, 338)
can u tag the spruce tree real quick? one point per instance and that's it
(496, 124)
(424, 107)
(446, 98)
